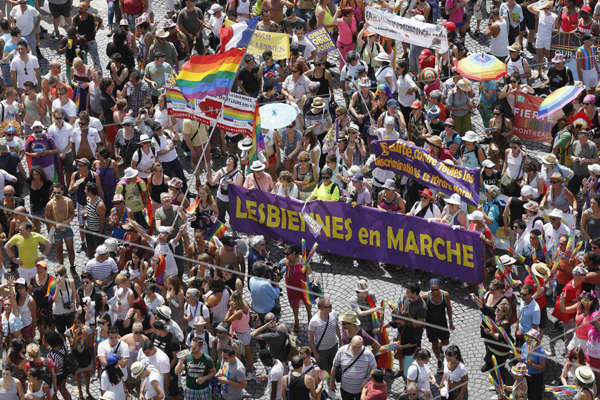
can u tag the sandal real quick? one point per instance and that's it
(297, 327)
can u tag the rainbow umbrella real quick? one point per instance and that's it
(542, 4)
(558, 99)
(481, 67)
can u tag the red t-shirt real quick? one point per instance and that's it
(570, 293)
(376, 392)
(30, 365)
(542, 299)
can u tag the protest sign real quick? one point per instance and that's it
(321, 39)
(567, 44)
(237, 117)
(278, 43)
(361, 232)
(330, 140)
(405, 158)
(525, 122)
(407, 30)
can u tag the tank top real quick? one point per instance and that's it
(593, 228)
(64, 296)
(126, 306)
(568, 23)
(307, 177)
(156, 190)
(558, 201)
(514, 165)
(95, 98)
(39, 292)
(452, 219)
(516, 209)
(576, 397)
(389, 205)
(499, 44)
(418, 11)
(327, 19)
(469, 158)
(12, 393)
(518, 66)
(86, 28)
(297, 388)
(220, 310)
(25, 313)
(242, 325)
(38, 393)
(323, 84)
(142, 50)
(92, 221)
(243, 8)
(436, 312)
(31, 114)
(222, 190)
(583, 29)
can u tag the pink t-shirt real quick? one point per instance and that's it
(345, 31)
(456, 17)
(430, 88)
(241, 325)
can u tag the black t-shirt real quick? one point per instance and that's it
(406, 335)
(288, 27)
(494, 179)
(437, 128)
(9, 162)
(249, 79)
(168, 344)
(79, 44)
(39, 197)
(262, 99)
(107, 102)
(560, 79)
(455, 40)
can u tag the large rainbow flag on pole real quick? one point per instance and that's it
(210, 75)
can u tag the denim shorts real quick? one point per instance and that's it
(66, 234)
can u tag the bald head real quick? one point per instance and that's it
(357, 342)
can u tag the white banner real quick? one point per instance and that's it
(407, 30)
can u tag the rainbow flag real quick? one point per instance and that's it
(218, 230)
(51, 287)
(77, 98)
(237, 115)
(210, 75)
(508, 341)
(308, 291)
(535, 278)
(388, 347)
(191, 210)
(79, 181)
(480, 291)
(385, 360)
(3, 237)
(258, 140)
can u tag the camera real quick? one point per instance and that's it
(143, 111)
(68, 304)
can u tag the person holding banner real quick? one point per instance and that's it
(453, 214)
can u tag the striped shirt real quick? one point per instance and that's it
(92, 222)
(353, 378)
(102, 270)
(317, 325)
(586, 57)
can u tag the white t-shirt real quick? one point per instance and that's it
(423, 376)
(403, 85)
(10, 111)
(25, 19)
(457, 374)
(216, 23)
(164, 143)
(62, 136)
(199, 310)
(94, 123)
(205, 346)
(21, 67)
(154, 304)
(175, 329)
(551, 235)
(118, 389)
(105, 349)
(379, 175)
(16, 145)
(305, 47)
(69, 108)
(382, 73)
(545, 25)
(5, 176)
(159, 360)
(275, 375)
(146, 161)
(154, 376)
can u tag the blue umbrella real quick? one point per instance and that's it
(277, 115)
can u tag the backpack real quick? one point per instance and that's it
(463, 149)
(71, 365)
(311, 18)
(157, 137)
(46, 375)
(331, 189)
(291, 345)
(137, 182)
(502, 206)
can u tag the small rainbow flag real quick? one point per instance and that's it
(209, 75)
(512, 251)
(77, 98)
(147, 217)
(79, 181)
(306, 262)
(480, 291)
(3, 237)
(508, 341)
(191, 210)
(497, 372)
(568, 390)
(535, 278)
(51, 287)
(498, 388)
(489, 323)
(386, 348)
(218, 230)
(309, 291)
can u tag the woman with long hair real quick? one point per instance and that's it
(27, 310)
(64, 301)
(15, 358)
(81, 77)
(81, 341)
(161, 114)
(122, 308)
(139, 312)
(157, 183)
(40, 190)
(293, 277)
(501, 131)
(514, 159)
(420, 374)
(113, 378)
(207, 210)
(588, 304)
(590, 221)
(10, 319)
(36, 388)
(406, 88)
(138, 269)
(108, 170)
(455, 374)
(175, 300)
(238, 316)
(98, 307)
(313, 147)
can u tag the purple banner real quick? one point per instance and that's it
(321, 39)
(405, 158)
(361, 232)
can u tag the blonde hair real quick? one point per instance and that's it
(304, 156)
(237, 300)
(77, 62)
(60, 270)
(209, 197)
(121, 278)
(506, 309)
(33, 350)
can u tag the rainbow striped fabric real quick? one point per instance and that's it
(258, 140)
(210, 75)
(586, 57)
(218, 230)
(51, 287)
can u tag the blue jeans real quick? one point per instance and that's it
(6, 74)
(435, 12)
(175, 169)
(93, 51)
(301, 13)
(111, 12)
(31, 42)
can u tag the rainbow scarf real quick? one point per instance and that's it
(385, 360)
(218, 230)
(51, 287)
(79, 339)
(210, 75)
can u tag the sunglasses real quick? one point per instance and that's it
(424, 197)
(57, 192)
(86, 282)
(448, 126)
(587, 104)
(82, 165)
(38, 131)
(326, 177)
(513, 81)
(8, 195)
(497, 113)
(138, 332)
(19, 287)
(329, 306)
(293, 71)
(514, 147)
(318, 64)
(286, 253)
(126, 125)
(57, 118)
(573, 358)
(553, 182)
(84, 123)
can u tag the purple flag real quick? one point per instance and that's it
(330, 140)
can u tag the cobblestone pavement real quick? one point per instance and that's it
(339, 274)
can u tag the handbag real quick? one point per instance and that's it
(340, 372)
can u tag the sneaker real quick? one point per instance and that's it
(55, 35)
(81, 247)
(440, 364)
(556, 327)
(250, 376)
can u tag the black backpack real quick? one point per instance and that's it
(331, 189)
(157, 137)
(311, 18)
(139, 154)
(46, 375)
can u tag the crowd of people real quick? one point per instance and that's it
(164, 308)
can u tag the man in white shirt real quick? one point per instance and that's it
(163, 312)
(91, 135)
(275, 376)
(306, 48)
(353, 69)
(162, 245)
(93, 122)
(10, 107)
(68, 105)
(25, 67)
(216, 18)
(27, 18)
(113, 345)
(152, 381)
(155, 357)
(62, 133)
(554, 229)
(164, 141)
